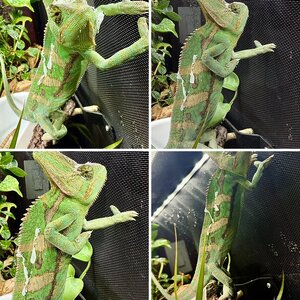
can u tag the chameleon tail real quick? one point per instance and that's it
(6, 88)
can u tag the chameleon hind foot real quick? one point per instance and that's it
(54, 135)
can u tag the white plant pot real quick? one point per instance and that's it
(9, 121)
(160, 130)
(6, 297)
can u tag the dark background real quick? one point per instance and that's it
(268, 238)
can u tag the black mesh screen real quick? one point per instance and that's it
(121, 93)
(268, 239)
(268, 99)
(119, 267)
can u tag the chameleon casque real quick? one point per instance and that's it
(55, 228)
(206, 59)
(69, 46)
(224, 203)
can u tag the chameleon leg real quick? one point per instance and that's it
(118, 217)
(54, 132)
(260, 49)
(261, 165)
(222, 67)
(210, 137)
(124, 7)
(221, 276)
(61, 241)
(123, 55)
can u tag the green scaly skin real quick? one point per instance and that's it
(69, 46)
(224, 202)
(55, 228)
(206, 59)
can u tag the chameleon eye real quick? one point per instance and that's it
(55, 14)
(234, 8)
(86, 171)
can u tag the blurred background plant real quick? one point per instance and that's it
(9, 170)
(163, 82)
(19, 61)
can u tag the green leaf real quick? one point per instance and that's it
(9, 214)
(161, 4)
(71, 271)
(165, 25)
(23, 19)
(5, 245)
(162, 70)
(33, 51)
(155, 95)
(154, 231)
(173, 16)
(162, 79)
(231, 82)
(114, 145)
(4, 232)
(10, 184)
(20, 44)
(17, 131)
(173, 77)
(160, 243)
(13, 69)
(159, 45)
(19, 3)
(85, 254)
(7, 205)
(73, 288)
(6, 159)
(13, 34)
(18, 171)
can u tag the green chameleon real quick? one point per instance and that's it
(55, 228)
(69, 46)
(206, 59)
(224, 202)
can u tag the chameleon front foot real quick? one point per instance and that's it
(125, 216)
(118, 217)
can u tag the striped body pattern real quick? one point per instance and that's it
(224, 203)
(51, 231)
(201, 72)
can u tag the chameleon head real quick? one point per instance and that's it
(229, 16)
(240, 13)
(73, 23)
(83, 182)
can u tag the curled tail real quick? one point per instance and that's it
(9, 97)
